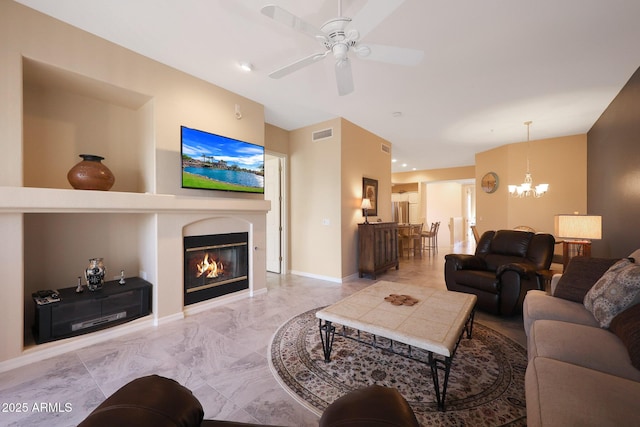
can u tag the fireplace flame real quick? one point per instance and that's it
(209, 268)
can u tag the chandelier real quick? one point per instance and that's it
(527, 189)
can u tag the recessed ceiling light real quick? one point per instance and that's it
(394, 160)
(246, 66)
(404, 165)
(397, 114)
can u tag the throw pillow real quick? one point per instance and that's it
(614, 292)
(626, 326)
(581, 274)
(635, 255)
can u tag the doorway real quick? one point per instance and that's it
(274, 179)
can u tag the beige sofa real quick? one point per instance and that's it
(579, 373)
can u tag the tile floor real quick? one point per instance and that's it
(220, 354)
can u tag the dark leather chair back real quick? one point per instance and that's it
(508, 246)
(540, 250)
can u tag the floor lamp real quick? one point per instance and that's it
(577, 232)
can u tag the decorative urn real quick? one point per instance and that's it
(90, 174)
(94, 274)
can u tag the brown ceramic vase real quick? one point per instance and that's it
(91, 174)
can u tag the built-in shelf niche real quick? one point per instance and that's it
(66, 114)
(57, 248)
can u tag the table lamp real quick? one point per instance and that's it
(577, 230)
(366, 205)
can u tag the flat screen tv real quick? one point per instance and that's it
(215, 162)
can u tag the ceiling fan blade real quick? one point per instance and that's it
(301, 63)
(290, 20)
(344, 77)
(390, 54)
(372, 14)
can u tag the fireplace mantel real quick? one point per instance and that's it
(52, 200)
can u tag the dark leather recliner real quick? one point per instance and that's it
(506, 265)
(155, 401)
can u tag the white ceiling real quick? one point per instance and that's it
(489, 65)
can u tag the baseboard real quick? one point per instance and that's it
(317, 276)
(168, 319)
(218, 301)
(40, 352)
(351, 277)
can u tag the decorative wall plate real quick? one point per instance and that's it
(489, 182)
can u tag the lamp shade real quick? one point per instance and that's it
(578, 226)
(366, 204)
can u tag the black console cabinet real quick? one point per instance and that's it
(80, 313)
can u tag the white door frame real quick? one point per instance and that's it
(284, 212)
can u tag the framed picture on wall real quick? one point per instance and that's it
(370, 191)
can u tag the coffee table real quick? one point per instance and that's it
(436, 323)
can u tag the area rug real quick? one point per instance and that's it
(486, 384)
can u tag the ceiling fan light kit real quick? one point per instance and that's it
(338, 39)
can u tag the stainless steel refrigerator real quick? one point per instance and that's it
(400, 212)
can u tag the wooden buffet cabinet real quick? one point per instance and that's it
(378, 247)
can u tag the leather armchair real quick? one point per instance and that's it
(155, 401)
(506, 265)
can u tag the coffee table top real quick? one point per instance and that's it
(434, 323)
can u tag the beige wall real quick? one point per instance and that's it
(362, 157)
(326, 191)
(276, 139)
(315, 201)
(403, 188)
(560, 162)
(431, 175)
(444, 201)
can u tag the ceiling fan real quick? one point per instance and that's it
(342, 35)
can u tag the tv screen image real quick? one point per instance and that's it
(215, 162)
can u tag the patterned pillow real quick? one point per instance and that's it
(616, 290)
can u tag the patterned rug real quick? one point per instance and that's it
(486, 384)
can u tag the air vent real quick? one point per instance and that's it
(385, 148)
(321, 134)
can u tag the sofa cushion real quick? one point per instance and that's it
(580, 276)
(588, 346)
(561, 394)
(539, 305)
(614, 292)
(626, 326)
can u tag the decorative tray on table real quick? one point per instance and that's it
(396, 299)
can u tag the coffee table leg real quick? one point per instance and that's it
(444, 365)
(327, 333)
(469, 326)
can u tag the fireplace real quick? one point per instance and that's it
(215, 265)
